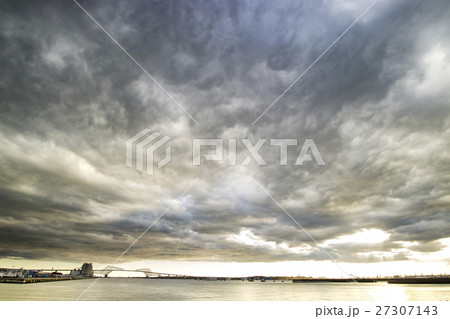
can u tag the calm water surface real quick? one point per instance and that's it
(160, 289)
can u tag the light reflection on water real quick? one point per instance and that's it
(160, 289)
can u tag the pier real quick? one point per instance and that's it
(7, 280)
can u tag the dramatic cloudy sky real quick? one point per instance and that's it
(377, 105)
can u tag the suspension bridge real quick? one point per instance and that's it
(109, 269)
(146, 271)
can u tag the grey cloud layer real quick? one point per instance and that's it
(376, 106)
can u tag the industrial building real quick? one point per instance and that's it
(86, 270)
(14, 273)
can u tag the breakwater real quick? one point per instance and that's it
(420, 280)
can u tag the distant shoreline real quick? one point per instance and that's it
(390, 280)
(8, 280)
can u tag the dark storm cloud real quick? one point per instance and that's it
(376, 105)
